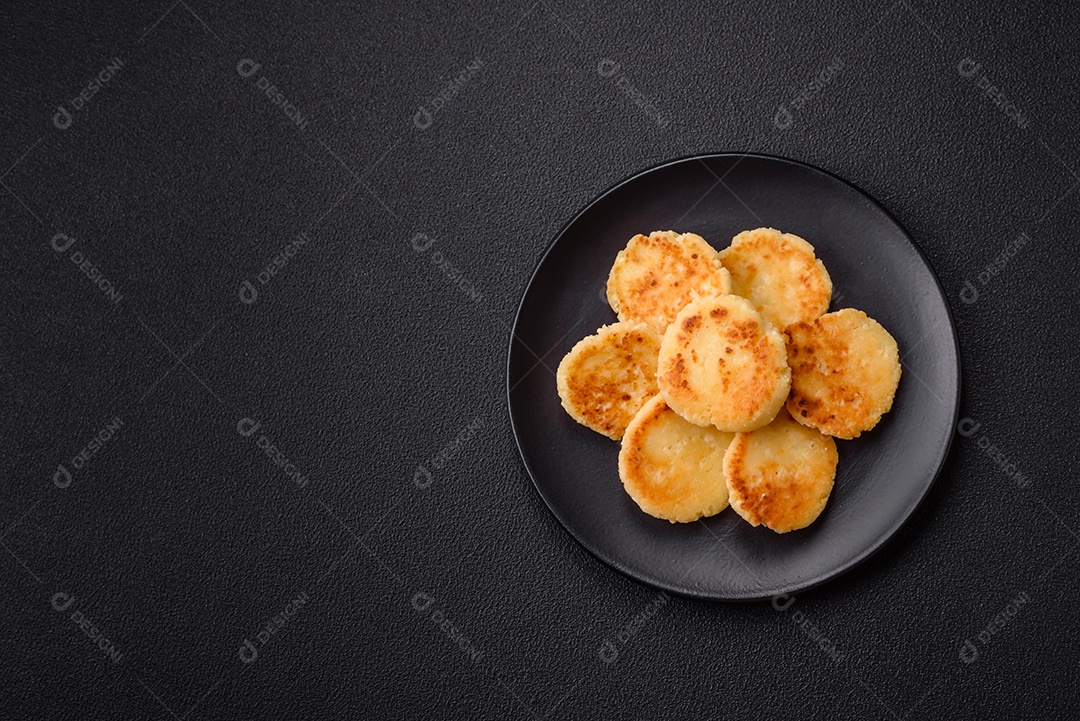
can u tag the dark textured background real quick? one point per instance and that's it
(364, 362)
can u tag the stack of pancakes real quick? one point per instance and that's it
(725, 378)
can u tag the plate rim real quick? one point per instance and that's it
(796, 587)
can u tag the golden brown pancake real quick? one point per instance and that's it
(844, 372)
(605, 379)
(656, 275)
(780, 476)
(722, 364)
(779, 274)
(673, 469)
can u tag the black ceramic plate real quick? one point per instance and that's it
(875, 267)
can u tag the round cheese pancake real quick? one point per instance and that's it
(673, 469)
(780, 476)
(656, 275)
(779, 274)
(722, 364)
(844, 372)
(604, 379)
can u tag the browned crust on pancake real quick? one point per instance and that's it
(671, 468)
(845, 369)
(786, 492)
(779, 273)
(657, 274)
(722, 364)
(606, 378)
